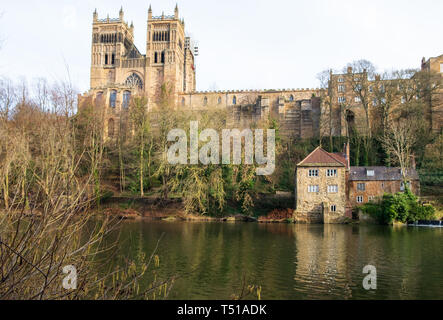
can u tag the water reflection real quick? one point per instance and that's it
(291, 261)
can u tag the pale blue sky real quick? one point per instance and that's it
(243, 43)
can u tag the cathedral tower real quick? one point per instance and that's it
(171, 61)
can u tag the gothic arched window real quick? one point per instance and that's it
(126, 99)
(183, 102)
(234, 100)
(219, 100)
(134, 81)
(163, 57)
(291, 98)
(205, 101)
(113, 98)
(156, 57)
(111, 128)
(99, 97)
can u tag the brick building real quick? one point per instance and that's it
(369, 183)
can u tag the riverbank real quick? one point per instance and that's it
(268, 209)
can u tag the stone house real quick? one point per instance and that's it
(321, 182)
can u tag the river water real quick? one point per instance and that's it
(291, 261)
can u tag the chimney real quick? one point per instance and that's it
(349, 69)
(377, 77)
(348, 154)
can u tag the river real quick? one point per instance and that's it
(291, 261)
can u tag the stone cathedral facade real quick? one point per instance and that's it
(119, 71)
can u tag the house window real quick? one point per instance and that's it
(403, 100)
(333, 208)
(331, 173)
(341, 99)
(358, 88)
(374, 102)
(371, 89)
(357, 99)
(313, 189)
(333, 189)
(402, 185)
(360, 199)
(234, 100)
(341, 88)
(113, 59)
(383, 100)
(155, 57)
(370, 173)
(106, 59)
(361, 186)
(371, 198)
(113, 99)
(219, 100)
(126, 99)
(313, 172)
(291, 98)
(341, 80)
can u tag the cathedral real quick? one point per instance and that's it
(119, 71)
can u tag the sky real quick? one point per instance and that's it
(247, 44)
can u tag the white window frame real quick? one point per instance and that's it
(360, 199)
(357, 99)
(333, 208)
(331, 173)
(360, 188)
(313, 189)
(370, 173)
(341, 99)
(313, 173)
(333, 189)
(341, 88)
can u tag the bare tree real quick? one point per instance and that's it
(398, 142)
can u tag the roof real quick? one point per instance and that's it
(380, 174)
(322, 158)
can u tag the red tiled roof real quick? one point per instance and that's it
(320, 157)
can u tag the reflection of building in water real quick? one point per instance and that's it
(322, 261)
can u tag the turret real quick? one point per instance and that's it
(176, 12)
(150, 13)
(95, 15)
(121, 14)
